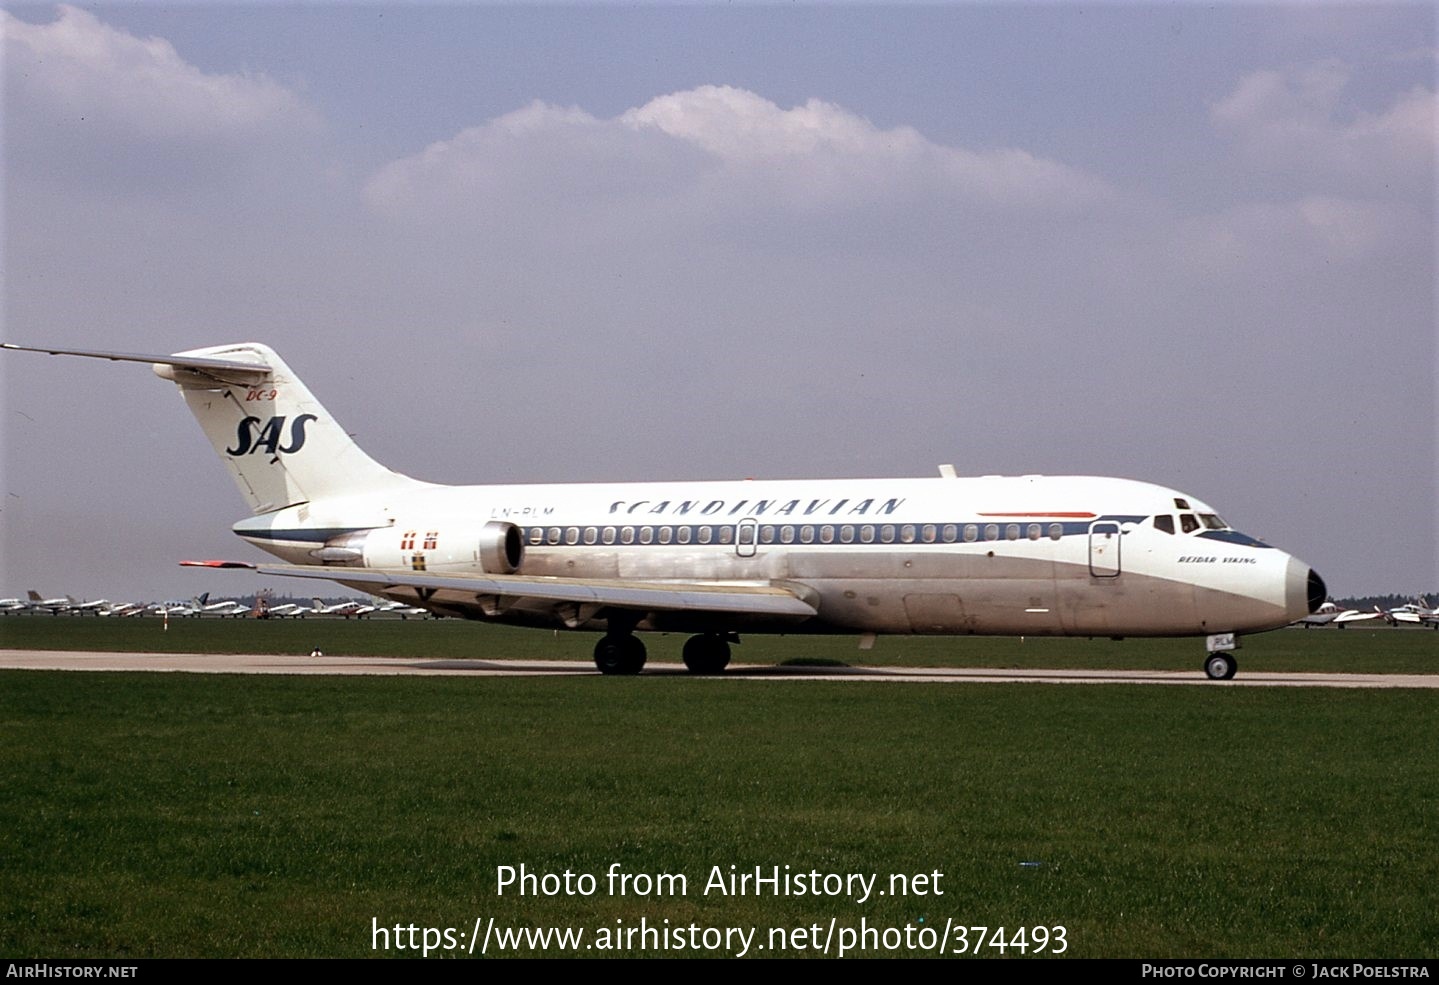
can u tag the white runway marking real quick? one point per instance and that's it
(229, 663)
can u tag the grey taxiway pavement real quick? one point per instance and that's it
(227, 663)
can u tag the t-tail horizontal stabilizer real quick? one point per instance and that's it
(253, 368)
(281, 446)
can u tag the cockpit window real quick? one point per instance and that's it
(1181, 504)
(1187, 523)
(1164, 522)
(1212, 521)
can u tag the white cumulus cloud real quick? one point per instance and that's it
(109, 104)
(720, 147)
(1299, 121)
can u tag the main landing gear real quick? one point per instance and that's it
(708, 653)
(621, 652)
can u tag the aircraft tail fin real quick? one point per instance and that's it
(282, 447)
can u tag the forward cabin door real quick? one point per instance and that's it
(1104, 541)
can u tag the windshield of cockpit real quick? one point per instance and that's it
(1188, 522)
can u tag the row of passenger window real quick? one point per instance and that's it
(774, 533)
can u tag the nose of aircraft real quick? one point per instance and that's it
(1304, 590)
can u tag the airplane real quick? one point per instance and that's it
(122, 609)
(55, 605)
(286, 610)
(1006, 556)
(224, 608)
(392, 608)
(1418, 613)
(1330, 612)
(98, 606)
(175, 608)
(346, 609)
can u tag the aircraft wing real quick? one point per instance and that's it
(499, 592)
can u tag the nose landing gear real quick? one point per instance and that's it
(1220, 664)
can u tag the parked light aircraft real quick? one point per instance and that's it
(55, 605)
(97, 606)
(1331, 612)
(347, 608)
(1418, 613)
(283, 611)
(393, 608)
(1029, 555)
(122, 609)
(224, 608)
(174, 608)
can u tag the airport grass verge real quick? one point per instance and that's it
(198, 815)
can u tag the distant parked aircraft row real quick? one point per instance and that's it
(1416, 613)
(202, 606)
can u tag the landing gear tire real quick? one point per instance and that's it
(1220, 666)
(619, 654)
(706, 654)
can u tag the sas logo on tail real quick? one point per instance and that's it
(250, 437)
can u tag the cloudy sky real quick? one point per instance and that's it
(1189, 244)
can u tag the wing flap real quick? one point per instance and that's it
(761, 600)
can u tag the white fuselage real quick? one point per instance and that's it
(1029, 555)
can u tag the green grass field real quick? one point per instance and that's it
(179, 815)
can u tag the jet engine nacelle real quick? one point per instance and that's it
(501, 548)
(497, 548)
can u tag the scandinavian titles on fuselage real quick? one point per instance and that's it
(775, 506)
(760, 507)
